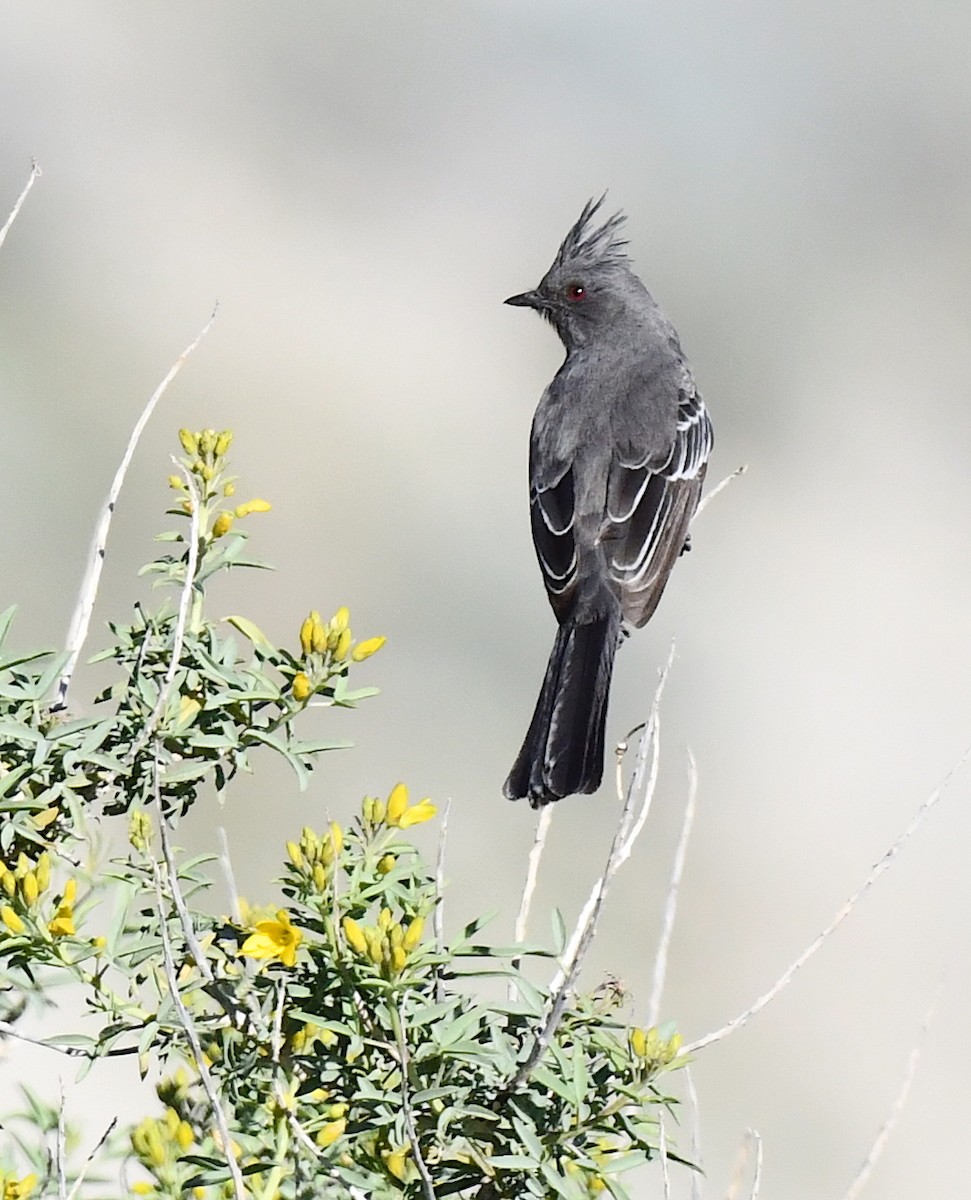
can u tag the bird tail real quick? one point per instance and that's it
(563, 751)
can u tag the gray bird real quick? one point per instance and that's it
(617, 458)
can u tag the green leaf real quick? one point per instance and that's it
(250, 630)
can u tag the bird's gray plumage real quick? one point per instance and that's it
(618, 452)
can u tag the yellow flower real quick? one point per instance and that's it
(397, 803)
(62, 923)
(8, 881)
(302, 687)
(19, 1189)
(338, 622)
(331, 1132)
(274, 939)
(11, 920)
(366, 648)
(396, 1162)
(252, 506)
(222, 524)
(421, 812)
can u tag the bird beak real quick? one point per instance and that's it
(527, 300)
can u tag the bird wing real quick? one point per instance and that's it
(651, 498)
(552, 514)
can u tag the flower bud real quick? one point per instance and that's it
(223, 442)
(354, 935)
(190, 442)
(343, 645)
(336, 838)
(222, 524)
(11, 920)
(366, 648)
(413, 935)
(307, 635)
(207, 441)
(386, 864)
(302, 687)
(29, 889)
(399, 957)
(252, 506)
(296, 855)
(338, 622)
(176, 483)
(43, 871)
(397, 803)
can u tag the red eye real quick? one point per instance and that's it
(576, 291)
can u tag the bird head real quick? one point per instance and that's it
(590, 285)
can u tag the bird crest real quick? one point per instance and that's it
(588, 247)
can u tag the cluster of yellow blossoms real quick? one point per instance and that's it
(387, 944)
(326, 643)
(206, 451)
(313, 856)
(396, 812)
(23, 890)
(651, 1049)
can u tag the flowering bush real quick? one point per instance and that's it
(332, 1043)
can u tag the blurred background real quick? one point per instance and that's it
(360, 186)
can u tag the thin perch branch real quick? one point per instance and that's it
(739, 471)
(81, 619)
(876, 871)
(671, 903)
(529, 886)
(620, 849)
(35, 173)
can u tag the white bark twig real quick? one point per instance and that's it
(188, 931)
(876, 871)
(72, 1194)
(81, 619)
(886, 1129)
(756, 1137)
(695, 1133)
(35, 173)
(671, 903)
(662, 1148)
(182, 619)
(529, 886)
(226, 862)
(438, 916)
(61, 1150)
(718, 488)
(188, 1025)
(405, 1061)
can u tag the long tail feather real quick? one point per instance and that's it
(563, 750)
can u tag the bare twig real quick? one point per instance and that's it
(529, 887)
(72, 1194)
(61, 1150)
(438, 916)
(695, 1133)
(718, 488)
(35, 173)
(620, 849)
(188, 931)
(188, 1025)
(883, 1136)
(89, 588)
(876, 871)
(226, 862)
(757, 1178)
(182, 619)
(8, 1030)
(671, 903)
(662, 1148)
(426, 1179)
(643, 782)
